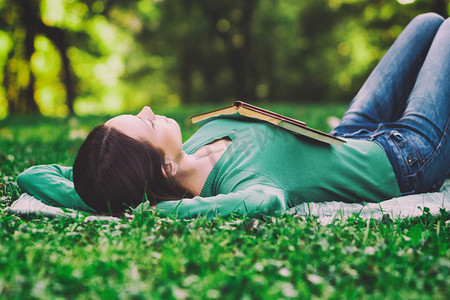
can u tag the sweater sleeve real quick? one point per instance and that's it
(257, 200)
(53, 185)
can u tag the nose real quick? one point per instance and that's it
(146, 113)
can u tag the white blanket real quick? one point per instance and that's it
(30, 206)
(326, 212)
(401, 207)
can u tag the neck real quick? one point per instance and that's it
(193, 172)
(194, 169)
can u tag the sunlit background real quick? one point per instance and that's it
(59, 57)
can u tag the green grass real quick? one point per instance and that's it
(235, 258)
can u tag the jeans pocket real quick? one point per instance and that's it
(409, 162)
(410, 153)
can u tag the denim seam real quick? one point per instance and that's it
(438, 147)
(406, 180)
(420, 158)
(398, 153)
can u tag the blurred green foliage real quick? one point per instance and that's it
(59, 57)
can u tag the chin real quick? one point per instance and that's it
(177, 128)
(174, 123)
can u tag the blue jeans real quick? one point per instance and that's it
(404, 106)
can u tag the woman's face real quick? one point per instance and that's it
(159, 131)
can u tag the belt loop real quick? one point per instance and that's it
(373, 136)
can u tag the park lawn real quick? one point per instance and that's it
(236, 258)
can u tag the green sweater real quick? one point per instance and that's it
(264, 171)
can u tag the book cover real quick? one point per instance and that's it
(247, 110)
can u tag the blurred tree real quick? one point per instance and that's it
(22, 20)
(211, 41)
(114, 55)
(441, 7)
(233, 24)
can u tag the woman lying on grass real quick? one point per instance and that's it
(396, 128)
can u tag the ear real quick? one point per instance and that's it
(171, 167)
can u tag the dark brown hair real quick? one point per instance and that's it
(113, 172)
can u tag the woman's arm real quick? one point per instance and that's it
(257, 200)
(53, 185)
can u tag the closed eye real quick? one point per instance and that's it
(146, 121)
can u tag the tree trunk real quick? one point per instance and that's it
(27, 21)
(58, 37)
(239, 57)
(185, 75)
(31, 21)
(441, 7)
